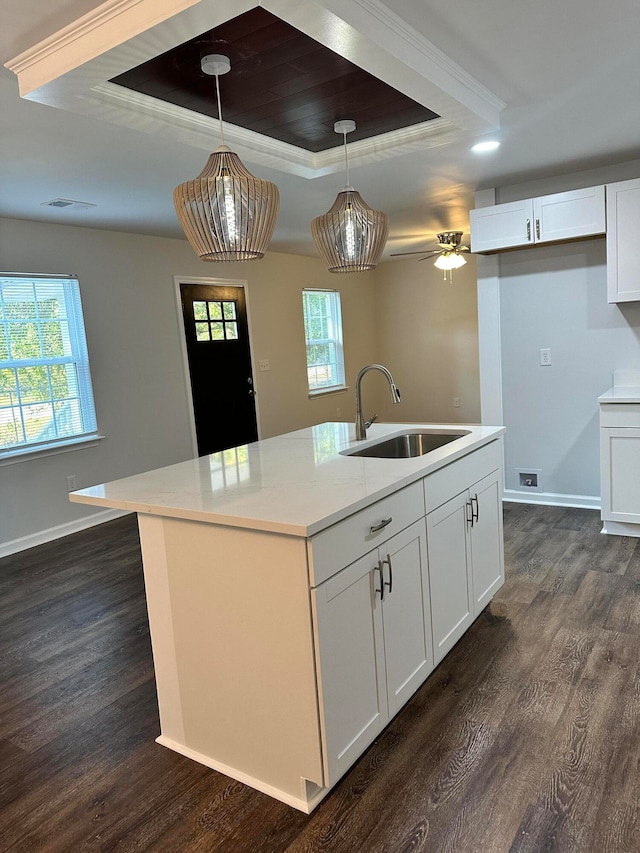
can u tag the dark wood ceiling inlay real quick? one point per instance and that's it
(282, 84)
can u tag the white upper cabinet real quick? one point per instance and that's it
(623, 227)
(548, 219)
(502, 226)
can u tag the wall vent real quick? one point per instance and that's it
(68, 203)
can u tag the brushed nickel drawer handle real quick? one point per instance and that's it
(376, 527)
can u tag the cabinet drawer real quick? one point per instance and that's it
(337, 546)
(454, 478)
(620, 415)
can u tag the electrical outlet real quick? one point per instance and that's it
(263, 364)
(456, 402)
(545, 357)
(71, 483)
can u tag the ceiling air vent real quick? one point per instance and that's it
(68, 203)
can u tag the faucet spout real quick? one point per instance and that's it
(361, 424)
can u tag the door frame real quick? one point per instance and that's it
(214, 282)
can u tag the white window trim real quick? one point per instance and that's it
(25, 452)
(324, 392)
(340, 386)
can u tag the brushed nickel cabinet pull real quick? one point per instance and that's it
(469, 507)
(380, 569)
(382, 525)
(390, 584)
(538, 228)
(528, 229)
(475, 514)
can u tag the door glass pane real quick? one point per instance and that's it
(200, 310)
(232, 331)
(217, 331)
(229, 309)
(202, 332)
(215, 310)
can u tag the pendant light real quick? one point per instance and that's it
(226, 213)
(350, 236)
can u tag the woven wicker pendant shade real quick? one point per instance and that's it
(350, 236)
(226, 213)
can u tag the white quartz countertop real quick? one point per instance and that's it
(621, 394)
(296, 484)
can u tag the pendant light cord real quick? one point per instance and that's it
(220, 110)
(346, 156)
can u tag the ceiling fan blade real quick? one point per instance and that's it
(399, 254)
(430, 255)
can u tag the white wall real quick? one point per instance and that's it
(556, 296)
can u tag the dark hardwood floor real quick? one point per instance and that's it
(526, 738)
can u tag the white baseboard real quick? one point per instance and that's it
(42, 536)
(302, 803)
(621, 528)
(551, 499)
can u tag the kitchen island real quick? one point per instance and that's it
(298, 596)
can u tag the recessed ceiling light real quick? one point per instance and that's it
(483, 147)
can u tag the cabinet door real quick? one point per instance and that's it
(487, 554)
(623, 227)
(566, 216)
(449, 573)
(350, 663)
(620, 463)
(406, 614)
(502, 226)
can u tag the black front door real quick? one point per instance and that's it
(219, 354)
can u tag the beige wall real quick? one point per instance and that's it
(423, 330)
(428, 337)
(275, 304)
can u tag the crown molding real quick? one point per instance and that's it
(90, 36)
(151, 115)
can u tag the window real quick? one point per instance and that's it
(323, 336)
(215, 320)
(45, 387)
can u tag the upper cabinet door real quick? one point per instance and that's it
(502, 226)
(567, 216)
(548, 219)
(623, 227)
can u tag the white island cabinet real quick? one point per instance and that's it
(620, 455)
(296, 595)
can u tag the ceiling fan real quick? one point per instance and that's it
(449, 254)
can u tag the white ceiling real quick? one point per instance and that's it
(568, 73)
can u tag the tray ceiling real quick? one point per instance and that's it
(282, 84)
